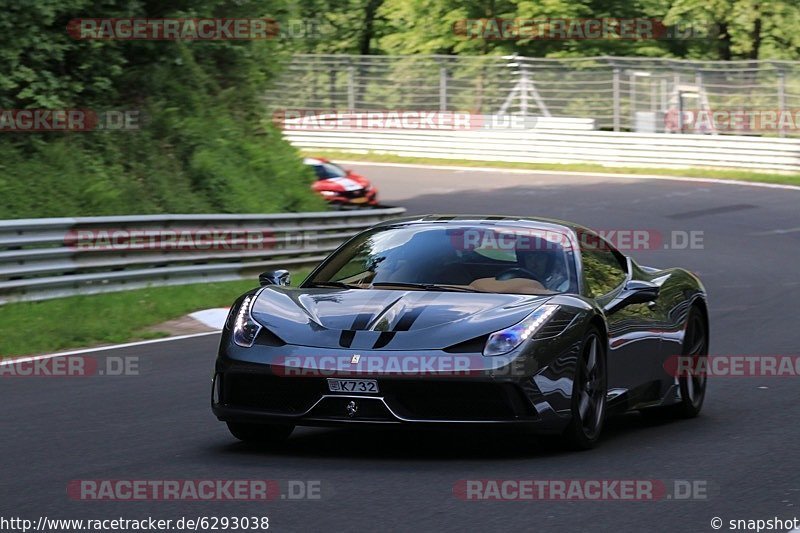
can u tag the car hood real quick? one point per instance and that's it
(339, 184)
(386, 319)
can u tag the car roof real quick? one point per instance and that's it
(500, 221)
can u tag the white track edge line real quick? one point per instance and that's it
(25, 359)
(579, 174)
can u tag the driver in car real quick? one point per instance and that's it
(548, 267)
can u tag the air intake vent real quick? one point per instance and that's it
(556, 325)
(267, 338)
(475, 345)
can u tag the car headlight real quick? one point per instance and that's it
(505, 340)
(245, 328)
(327, 193)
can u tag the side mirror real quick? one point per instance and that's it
(275, 277)
(635, 292)
(639, 291)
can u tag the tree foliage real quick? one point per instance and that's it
(706, 29)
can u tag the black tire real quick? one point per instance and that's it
(589, 391)
(692, 386)
(264, 434)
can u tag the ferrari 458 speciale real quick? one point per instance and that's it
(464, 320)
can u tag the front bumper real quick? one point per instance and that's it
(354, 198)
(249, 391)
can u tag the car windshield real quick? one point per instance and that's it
(432, 257)
(326, 171)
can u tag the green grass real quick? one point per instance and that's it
(30, 328)
(735, 175)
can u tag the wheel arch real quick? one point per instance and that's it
(599, 322)
(700, 303)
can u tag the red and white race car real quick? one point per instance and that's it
(340, 186)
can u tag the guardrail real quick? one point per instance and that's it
(54, 257)
(556, 146)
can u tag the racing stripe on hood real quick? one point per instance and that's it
(407, 320)
(362, 320)
(383, 339)
(347, 183)
(346, 338)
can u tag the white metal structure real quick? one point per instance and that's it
(559, 146)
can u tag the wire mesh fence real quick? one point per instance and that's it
(647, 95)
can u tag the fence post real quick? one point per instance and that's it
(781, 98)
(615, 88)
(676, 82)
(632, 99)
(523, 92)
(351, 88)
(443, 89)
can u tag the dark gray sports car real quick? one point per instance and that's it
(464, 320)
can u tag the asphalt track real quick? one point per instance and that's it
(744, 446)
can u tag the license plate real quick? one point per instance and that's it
(358, 200)
(353, 385)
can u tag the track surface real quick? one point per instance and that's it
(159, 426)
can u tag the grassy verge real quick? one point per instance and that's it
(735, 175)
(81, 321)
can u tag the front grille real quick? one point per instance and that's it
(451, 400)
(353, 194)
(414, 400)
(286, 395)
(366, 409)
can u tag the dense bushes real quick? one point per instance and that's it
(203, 144)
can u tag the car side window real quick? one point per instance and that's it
(320, 172)
(603, 269)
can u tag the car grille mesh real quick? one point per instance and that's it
(278, 394)
(450, 400)
(413, 400)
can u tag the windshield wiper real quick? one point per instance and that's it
(337, 284)
(424, 286)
